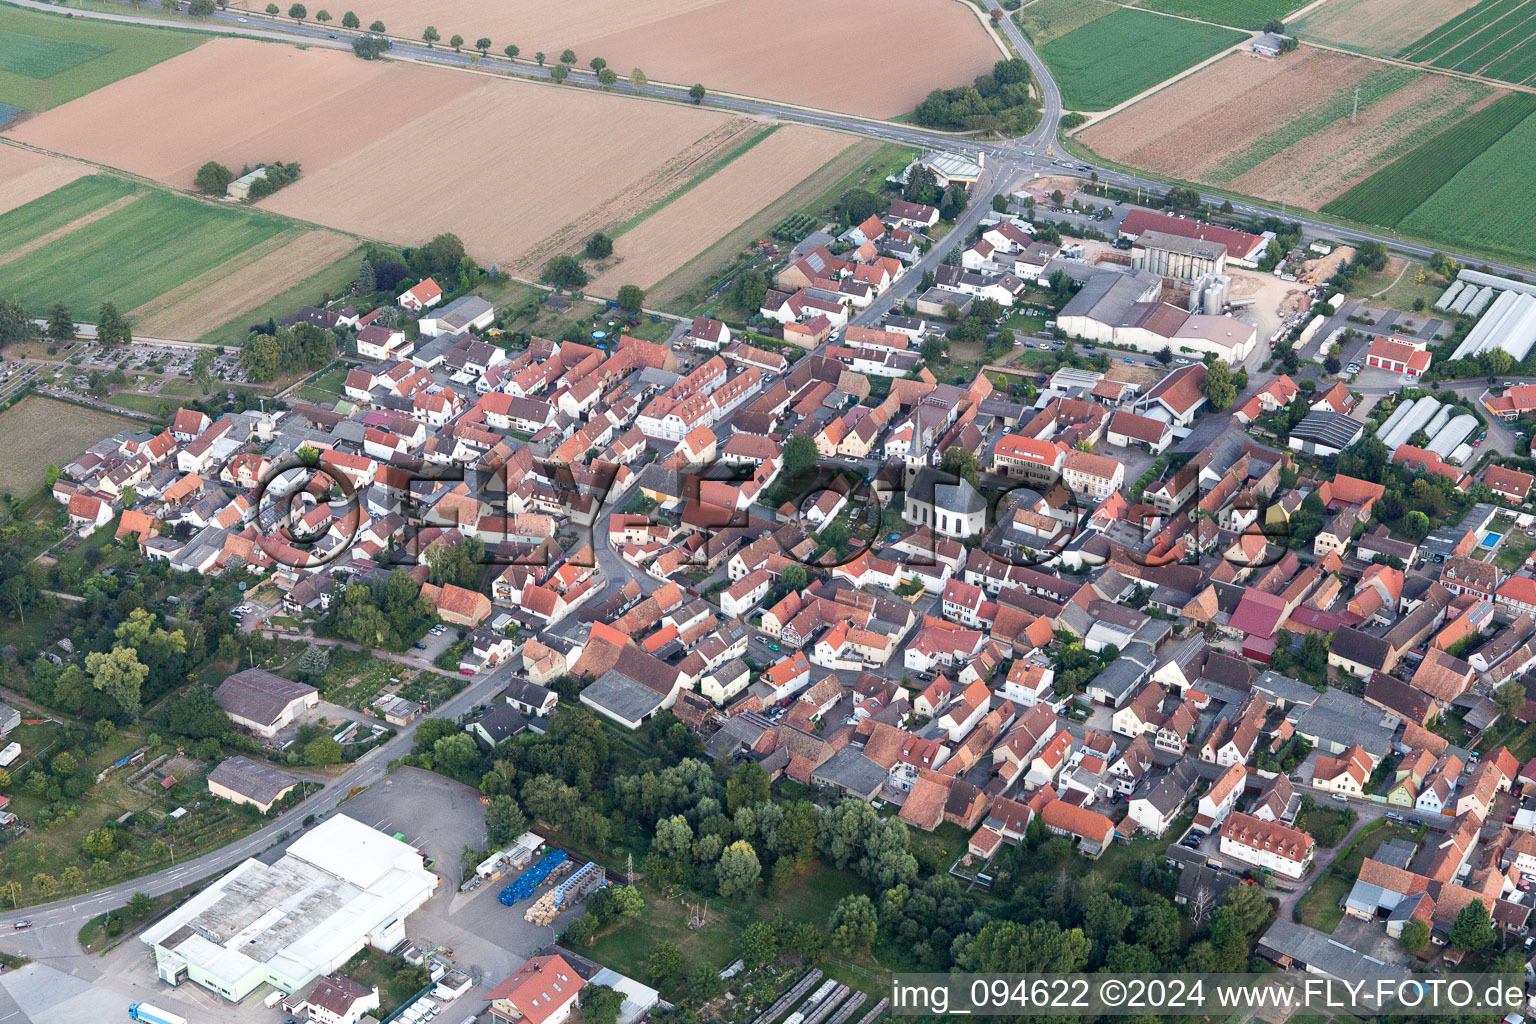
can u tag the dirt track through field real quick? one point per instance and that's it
(876, 58)
(213, 299)
(24, 176)
(669, 237)
(19, 251)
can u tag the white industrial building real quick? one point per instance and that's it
(1449, 437)
(1124, 309)
(1407, 420)
(340, 887)
(1509, 323)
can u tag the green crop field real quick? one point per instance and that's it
(46, 59)
(1392, 193)
(1254, 14)
(1113, 58)
(37, 57)
(1045, 20)
(1495, 39)
(63, 205)
(136, 252)
(1490, 204)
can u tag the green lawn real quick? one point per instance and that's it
(325, 388)
(1513, 552)
(46, 60)
(1319, 906)
(810, 896)
(1253, 14)
(134, 254)
(1113, 58)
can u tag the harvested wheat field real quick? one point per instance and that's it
(794, 50)
(1382, 27)
(24, 176)
(401, 152)
(671, 236)
(240, 283)
(243, 102)
(1282, 129)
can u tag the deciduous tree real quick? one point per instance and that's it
(631, 298)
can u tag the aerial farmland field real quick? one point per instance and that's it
(46, 60)
(791, 50)
(668, 237)
(1490, 204)
(24, 176)
(1392, 193)
(1282, 129)
(39, 431)
(1254, 14)
(1495, 39)
(101, 239)
(1142, 48)
(505, 190)
(1380, 27)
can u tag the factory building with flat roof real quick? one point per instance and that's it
(338, 888)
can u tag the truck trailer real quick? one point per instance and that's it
(148, 1014)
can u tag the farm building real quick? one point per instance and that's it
(262, 702)
(240, 188)
(243, 781)
(1325, 433)
(469, 312)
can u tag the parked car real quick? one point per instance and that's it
(466, 671)
(1341, 798)
(420, 646)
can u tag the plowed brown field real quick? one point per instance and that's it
(671, 236)
(876, 58)
(24, 176)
